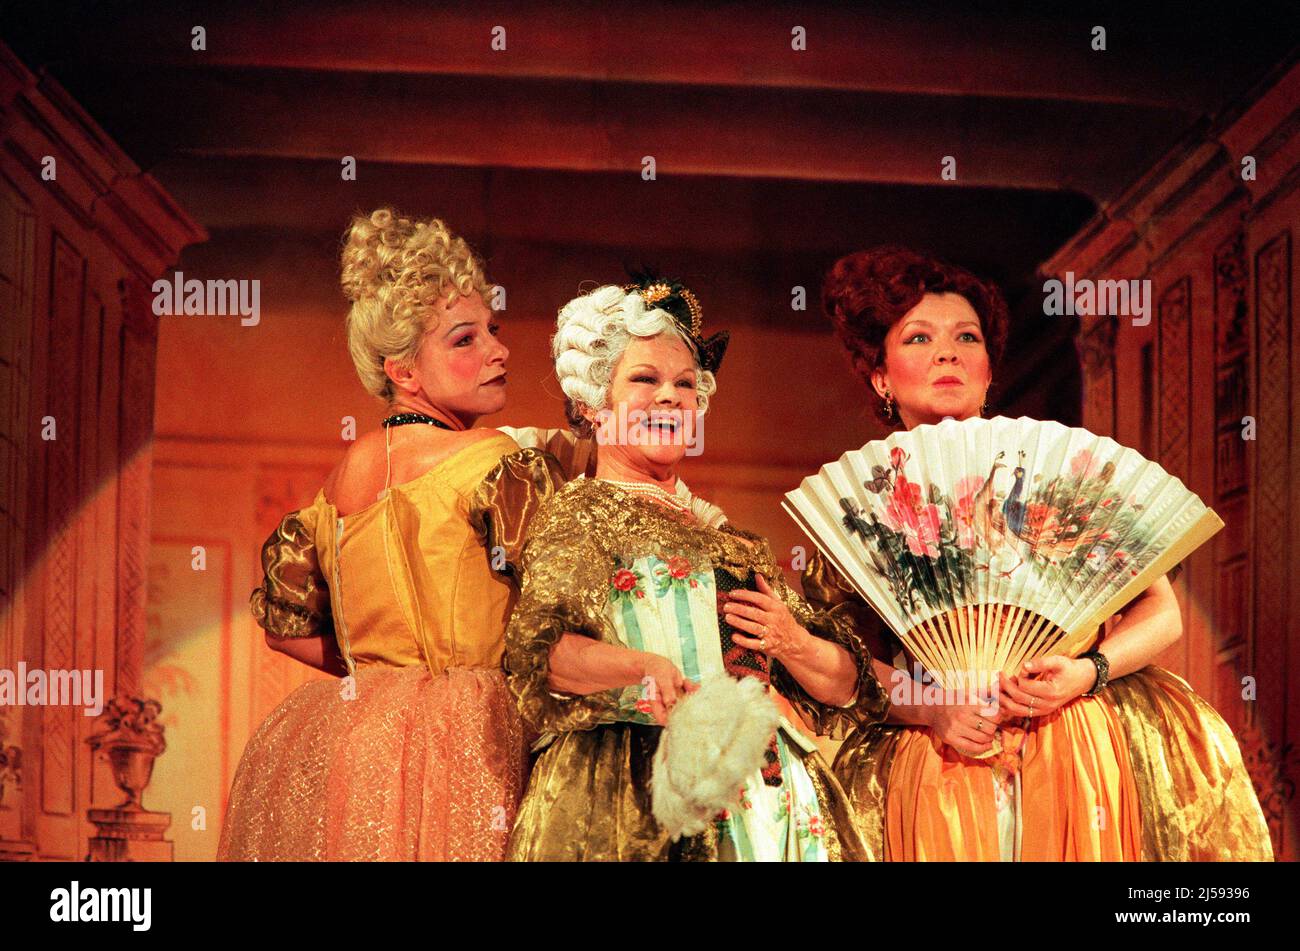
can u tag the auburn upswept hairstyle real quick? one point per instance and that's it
(867, 292)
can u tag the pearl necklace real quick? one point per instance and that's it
(652, 491)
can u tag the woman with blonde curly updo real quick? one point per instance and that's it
(635, 593)
(384, 580)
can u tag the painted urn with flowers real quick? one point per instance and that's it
(129, 735)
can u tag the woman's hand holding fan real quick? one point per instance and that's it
(1046, 685)
(990, 544)
(969, 728)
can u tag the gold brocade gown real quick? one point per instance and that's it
(614, 566)
(421, 754)
(1147, 770)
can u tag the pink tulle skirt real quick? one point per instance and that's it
(416, 767)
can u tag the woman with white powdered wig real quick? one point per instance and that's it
(656, 647)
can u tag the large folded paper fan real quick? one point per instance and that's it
(988, 542)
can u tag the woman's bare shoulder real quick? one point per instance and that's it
(359, 477)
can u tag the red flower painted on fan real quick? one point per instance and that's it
(963, 511)
(1084, 465)
(624, 580)
(918, 522)
(907, 492)
(897, 457)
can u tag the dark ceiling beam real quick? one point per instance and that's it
(824, 135)
(915, 48)
(725, 216)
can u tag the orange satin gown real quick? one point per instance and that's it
(1076, 800)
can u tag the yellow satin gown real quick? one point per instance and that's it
(1147, 770)
(420, 754)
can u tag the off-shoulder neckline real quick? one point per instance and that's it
(695, 524)
(411, 483)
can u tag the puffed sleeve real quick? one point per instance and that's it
(870, 702)
(293, 599)
(565, 575)
(825, 589)
(506, 501)
(575, 456)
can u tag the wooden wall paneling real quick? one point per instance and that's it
(103, 643)
(62, 468)
(89, 584)
(139, 345)
(1272, 480)
(36, 545)
(98, 221)
(1097, 356)
(1174, 418)
(17, 274)
(1175, 374)
(1232, 613)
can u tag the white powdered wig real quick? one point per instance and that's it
(593, 330)
(714, 741)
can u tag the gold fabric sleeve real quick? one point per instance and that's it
(870, 702)
(1197, 800)
(293, 599)
(575, 456)
(506, 501)
(563, 588)
(827, 591)
(862, 766)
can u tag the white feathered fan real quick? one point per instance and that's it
(988, 542)
(713, 742)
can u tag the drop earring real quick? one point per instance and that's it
(889, 406)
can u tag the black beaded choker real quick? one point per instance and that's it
(402, 419)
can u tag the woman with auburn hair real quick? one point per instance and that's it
(1117, 760)
(384, 580)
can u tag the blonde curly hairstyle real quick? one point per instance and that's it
(393, 269)
(592, 332)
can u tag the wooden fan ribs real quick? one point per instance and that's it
(970, 644)
(873, 514)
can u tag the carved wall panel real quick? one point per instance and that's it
(1271, 489)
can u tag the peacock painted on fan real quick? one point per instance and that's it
(974, 582)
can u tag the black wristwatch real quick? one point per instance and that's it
(1103, 672)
